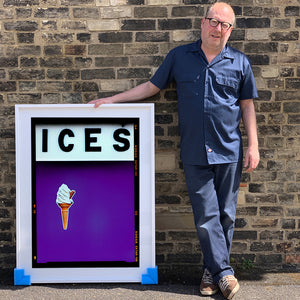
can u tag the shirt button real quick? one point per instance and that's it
(209, 150)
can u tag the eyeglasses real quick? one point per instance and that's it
(214, 23)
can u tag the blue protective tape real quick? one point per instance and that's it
(151, 277)
(20, 278)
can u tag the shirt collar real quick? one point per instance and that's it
(225, 53)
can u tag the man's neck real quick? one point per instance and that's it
(210, 54)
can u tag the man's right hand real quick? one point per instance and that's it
(100, 101)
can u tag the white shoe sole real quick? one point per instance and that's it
(208, 293)
(234, 291)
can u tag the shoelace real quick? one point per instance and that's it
(207, 277)
(224, 282)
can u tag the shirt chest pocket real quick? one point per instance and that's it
(188, 86)
(227, 87)
(228, 82)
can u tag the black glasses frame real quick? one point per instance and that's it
(217, 22)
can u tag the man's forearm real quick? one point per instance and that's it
(249, 120)
(139, 92)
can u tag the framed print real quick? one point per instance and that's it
(85, 193)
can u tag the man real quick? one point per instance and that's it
(215, 88)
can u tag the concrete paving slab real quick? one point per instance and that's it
(269, 287)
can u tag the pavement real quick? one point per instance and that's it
(279, 286)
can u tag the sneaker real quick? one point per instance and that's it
(229, 286)
(207, 286)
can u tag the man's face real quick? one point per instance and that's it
(215, 38)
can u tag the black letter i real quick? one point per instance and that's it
(45, 140)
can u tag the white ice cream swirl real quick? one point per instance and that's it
(63, 195)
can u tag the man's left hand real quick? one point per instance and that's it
(251, 159)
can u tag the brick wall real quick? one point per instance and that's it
(72, 51)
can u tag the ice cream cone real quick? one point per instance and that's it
(64, 207)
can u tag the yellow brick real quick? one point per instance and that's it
(97, 25)
(257, 35)
(118, 2)
(269, 72)
(115, 12)
(163, 2)
(241, 198)
(115, 85)
(165, 161)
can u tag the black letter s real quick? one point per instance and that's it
(119, 139)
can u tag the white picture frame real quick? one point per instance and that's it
(26, 273)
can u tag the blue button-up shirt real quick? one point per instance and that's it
(209, 97)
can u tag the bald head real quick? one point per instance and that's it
(222, 6)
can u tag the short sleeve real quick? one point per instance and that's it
(248, 88)
(164, 74)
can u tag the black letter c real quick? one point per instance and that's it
(61, 137)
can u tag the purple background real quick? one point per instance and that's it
(101, 219)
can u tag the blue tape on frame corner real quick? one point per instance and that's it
(151, 277)
(20, 278)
